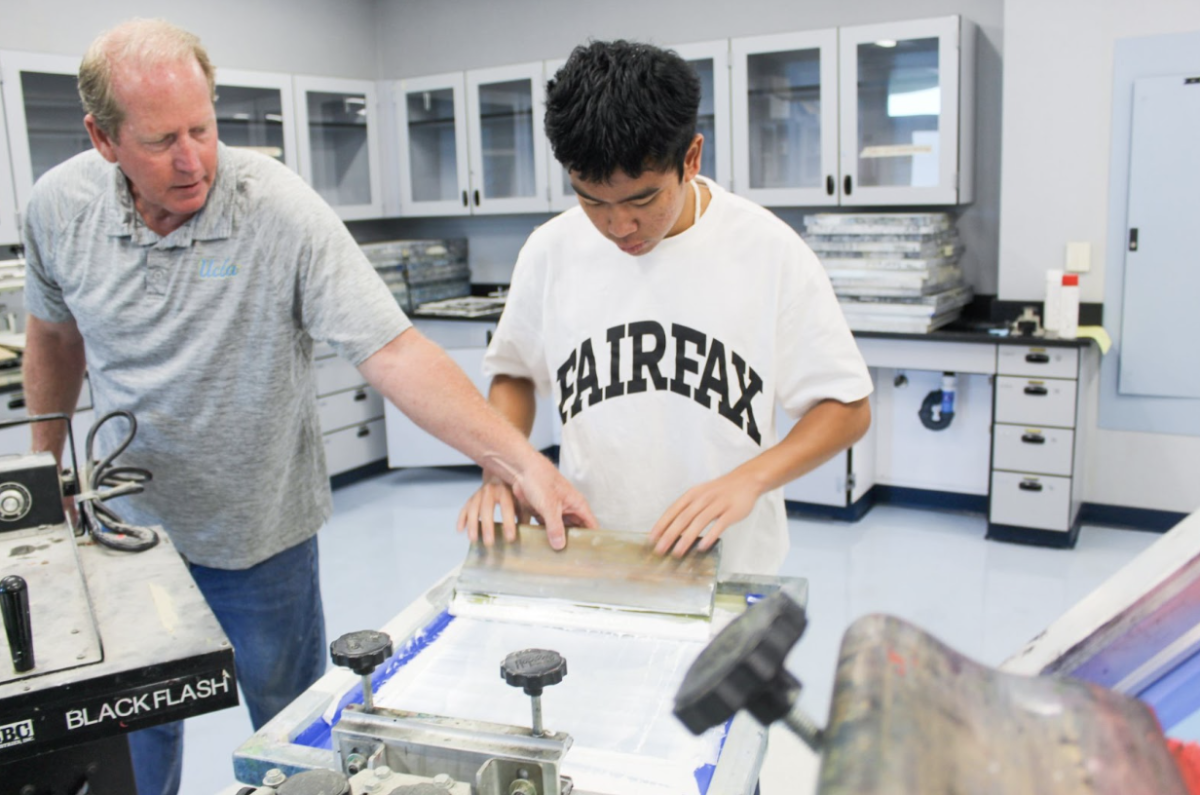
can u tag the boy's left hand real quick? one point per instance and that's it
(715, 505)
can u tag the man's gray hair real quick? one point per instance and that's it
(139, 42)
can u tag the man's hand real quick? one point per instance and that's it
(478, 516)
(715, 505)
(554, 501)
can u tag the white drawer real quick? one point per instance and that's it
(1035, 401)
(355, 446)
(957, 357)
(457, 333)
(1038, 362)
(352, 407)
(335, 374)
(1027, 500)
(1027, 449)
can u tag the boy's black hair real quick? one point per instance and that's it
(622, 105)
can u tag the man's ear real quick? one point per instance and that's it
(101, 140)
(691, 160)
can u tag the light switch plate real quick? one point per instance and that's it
(1079, 257)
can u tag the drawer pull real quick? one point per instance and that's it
(360, 395)
(1030, 485)
(1036, 390)
(1037, 358)
(1033, 438)
(17, 403)
(363, 431)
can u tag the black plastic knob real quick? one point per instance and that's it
(743, 668)
(315, 782)
(14, 607)
(362, 651)
(533, 670)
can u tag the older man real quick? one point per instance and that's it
(220, 369)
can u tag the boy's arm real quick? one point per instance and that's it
(515, 400)
(826, 430)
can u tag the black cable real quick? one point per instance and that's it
(102, 481)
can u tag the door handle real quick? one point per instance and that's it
(1037, 358)
(1033, 438)
(465, 202)
(1036, 390)
(476, 197)
(847, 185)
(830, 185)
(1030, 485)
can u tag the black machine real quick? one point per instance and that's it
(98, 642)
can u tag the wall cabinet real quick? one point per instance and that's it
(874, 115)
(472, 143)
(255, 110)
(338, 138)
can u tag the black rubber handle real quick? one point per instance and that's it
(465, 202)
(1036, 390)
(1033, 438)
(363, 431)
(360, 395)
(1037, 358)
(1030, 485)
(14, 606)
(361, 651)
(533, 670)
(830, 185)
(476, 198)
(847, 185)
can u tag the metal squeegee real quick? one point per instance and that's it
(600, 569)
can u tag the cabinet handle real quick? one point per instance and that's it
(847, 185)
(1037, 358)
(1133, 242)
(830, 184)
(360, 395)
(363, 431)
(1033, 438)
(476, 197)
(1036, 390)
(17, 403)
(465, 202)
(1030, 485)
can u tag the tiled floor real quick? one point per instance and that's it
(393, 535)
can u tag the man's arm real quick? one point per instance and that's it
(516, 401)
(426, 384)
(827, 429)
(53, 367)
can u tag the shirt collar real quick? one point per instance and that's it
(214, 221)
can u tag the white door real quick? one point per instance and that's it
(507, 143)
(43, 113)
(900, 112)
(785, 111)
(714, 121)
(1159, 323)
(338, 138)
(256, 110)
(431, 129)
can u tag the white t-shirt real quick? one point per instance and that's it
(667, 368)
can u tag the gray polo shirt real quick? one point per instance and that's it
(206, 335)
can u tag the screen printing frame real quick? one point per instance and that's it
(275, 744)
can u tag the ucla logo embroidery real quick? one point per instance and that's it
(214, 268)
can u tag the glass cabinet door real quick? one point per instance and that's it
(10, 231)
(44, 115)
(506, 140)
(255, 111)
(432, 132)
(339, 146)
(900, 126)
(711, 62)
(562, 195)
(785, 118)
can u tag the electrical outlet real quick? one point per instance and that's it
(1079, 257)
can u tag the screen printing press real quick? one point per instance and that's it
(626, 648)
(97, 641)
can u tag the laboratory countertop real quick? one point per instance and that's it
(951, 333)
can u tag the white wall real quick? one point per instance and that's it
(424, 37)
(315, 37)
(1055, 188)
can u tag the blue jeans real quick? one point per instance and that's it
(272, 614)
